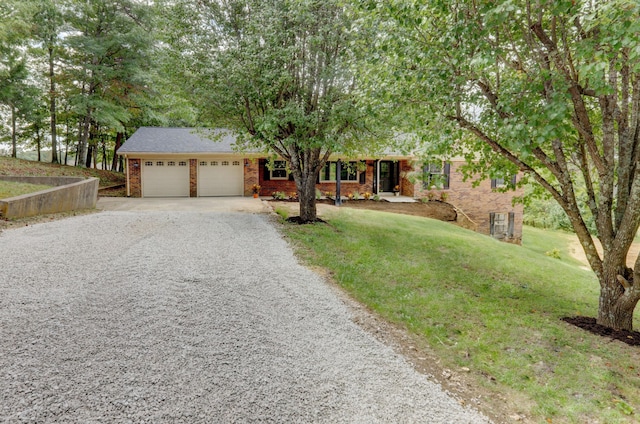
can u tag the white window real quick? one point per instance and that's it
(498, 183)
(214, 163)
(279, 170)
(159, 163)
(348, 172)
(501, 182)
(236, 163)
(182, 163)
(171, 163)
(225, 163)
(432, 175)
(203, 163)
(148, 163)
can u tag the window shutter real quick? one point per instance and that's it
(363, 174)
(447, 172)
(513, 180)
(512, 218)
(492, 218)
(291, 176)
(493, 184)
(266, 175)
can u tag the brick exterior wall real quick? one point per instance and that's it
(268, 187)
(406, 188)
(251, 175)
(193, 177)
(478, 202)
(134, 171)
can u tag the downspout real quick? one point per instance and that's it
(126, 165)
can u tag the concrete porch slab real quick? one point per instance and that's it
(398, 199)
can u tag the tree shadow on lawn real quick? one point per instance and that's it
(632, 338)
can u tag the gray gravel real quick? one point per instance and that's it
(188, 317)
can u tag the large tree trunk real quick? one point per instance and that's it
(307, 197)
(87, 164)
(619, 295)
(114, 162)
(39, 145)
(305, 166)
(616, 308)
(81, 155)
(52, 110)
(104, 155)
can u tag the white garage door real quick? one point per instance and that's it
(165, 178)
(220, 177)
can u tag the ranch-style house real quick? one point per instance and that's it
(189, 162)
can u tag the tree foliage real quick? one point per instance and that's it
(89, 57)
(279, 74)
(551, 88)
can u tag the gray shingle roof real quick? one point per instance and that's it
(179, 140)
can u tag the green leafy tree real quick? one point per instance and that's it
(550, 87)
(47, 23)
(14, 34)
(16, 94)
(35, 117)
(109, 43)
(278, 73)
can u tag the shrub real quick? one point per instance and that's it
(555, 253)
(278, 195)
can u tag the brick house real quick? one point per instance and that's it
(184, 162)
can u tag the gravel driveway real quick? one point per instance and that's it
(145, 316)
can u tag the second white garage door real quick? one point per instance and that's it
(220, 177)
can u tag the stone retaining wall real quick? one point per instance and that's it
(68, 193)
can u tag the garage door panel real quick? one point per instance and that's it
(220, 177)
(165, 178)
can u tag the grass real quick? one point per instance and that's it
(11, 189)
(22, 167)
(492, 307)
(545, 241)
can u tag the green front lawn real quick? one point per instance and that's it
(488, 306)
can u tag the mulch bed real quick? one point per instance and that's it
(631, 338)
(297, 220)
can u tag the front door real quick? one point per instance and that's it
(388, 175)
